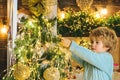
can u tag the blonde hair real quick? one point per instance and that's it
(108, 37)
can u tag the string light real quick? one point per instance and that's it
(101, 13)
(97, 15)
(61, 15)
(30, 22)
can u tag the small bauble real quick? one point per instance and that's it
(21, 71)
(51, 73)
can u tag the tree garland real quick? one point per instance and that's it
(113, 22)
(79, 24)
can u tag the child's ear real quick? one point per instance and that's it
(107, 48)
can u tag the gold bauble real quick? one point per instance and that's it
(36, 7)
(51, 73)
(21, 71)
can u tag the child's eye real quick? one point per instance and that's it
(91, 42)
(97, 42)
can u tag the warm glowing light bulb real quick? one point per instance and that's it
(62, 15)
(97, 15)
(4, 30)
(30, 22)
(103, 11)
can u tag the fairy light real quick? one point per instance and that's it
(97, 15)
(62, 15)
(103, 11)
(30, 22)
(3, 30)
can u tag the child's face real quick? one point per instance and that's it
(97, 46)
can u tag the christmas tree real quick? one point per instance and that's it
(37, 51)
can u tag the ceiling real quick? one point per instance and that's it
(72, 3)
(112, 5)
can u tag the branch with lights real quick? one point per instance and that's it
(79, 24)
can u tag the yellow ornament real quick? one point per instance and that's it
(51, 73)
(36, 7)
(21, 71)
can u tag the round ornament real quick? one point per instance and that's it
(21, 71)
(51, 73)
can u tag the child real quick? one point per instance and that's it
(97, 62)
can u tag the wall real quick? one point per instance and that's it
(116, 54)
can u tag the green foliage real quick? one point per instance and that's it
(78, 24)
(114, 23)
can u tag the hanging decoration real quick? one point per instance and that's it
(84, 4)
(51, 73)
(37, 7)
(21, 71)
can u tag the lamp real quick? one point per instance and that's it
(4, 27)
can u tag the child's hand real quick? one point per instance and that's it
(65, 42)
